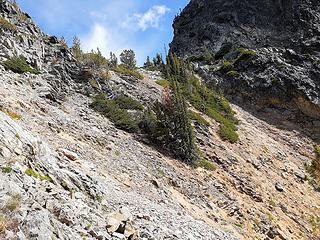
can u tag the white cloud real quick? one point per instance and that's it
(149, 19)
(104, 38)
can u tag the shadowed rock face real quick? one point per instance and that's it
(252, 23)
(285, 35)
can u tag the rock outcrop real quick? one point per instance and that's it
(284, 69)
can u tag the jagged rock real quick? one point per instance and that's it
(119, 224)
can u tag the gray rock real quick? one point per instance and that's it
(279, 187)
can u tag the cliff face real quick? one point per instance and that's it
(285, 36)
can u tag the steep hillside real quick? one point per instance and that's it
(67, 172)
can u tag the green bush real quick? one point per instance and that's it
(163, 83)
(7, 169)
(227, 66)
(30, 172)
(228, 134)
(244, 54)
(129, 72)
(116, 111)
(198, 118)
(18, 65)
(128, 103)
(206, 165)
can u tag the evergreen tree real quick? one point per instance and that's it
(158, 62)
(148, 64)
(76, 48)
(113, 61)
(63, 42)
(128, 59)
(173, 126)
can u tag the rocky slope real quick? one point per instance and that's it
(282, 72)
(68, 173)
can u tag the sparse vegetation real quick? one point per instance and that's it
(116, 111)
(315, 224)
(314, 167)
(6, 25)
(203, 163)
(30, 172)
(163, 83)
(228, 134)
(226, 67)
(7, 169)
(3, 224)
(198, 118)
(244, 54)
(205, 56)
(128, 103)
(12, 114)
(129, 72)
(18, 65)
(233, 74)
(94, 59)
(13, 203)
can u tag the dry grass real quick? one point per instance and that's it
(3, 224)
(12, 114)
(13, 203)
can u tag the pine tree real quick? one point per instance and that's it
(76, 48)
(128, 59)
(158, 62)
(63, 42)
(113, 61)
(174, 127)
(148, 64)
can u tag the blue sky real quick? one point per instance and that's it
(112, 25)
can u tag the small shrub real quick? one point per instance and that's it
(13, 203)
(129, 72)
(315, 224)
(18, 65)
(163, 83)
(244, 54)
(227, 66)
(233, 74)
(30, 172)
(6, 25)
(3, 224)
(206, 165)
(13, 115)
(229, 134)
(314, 167)
(205, 56)
(198, 118)
(7, 169)
(116, 111)
(94, 58)
(128, 103)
